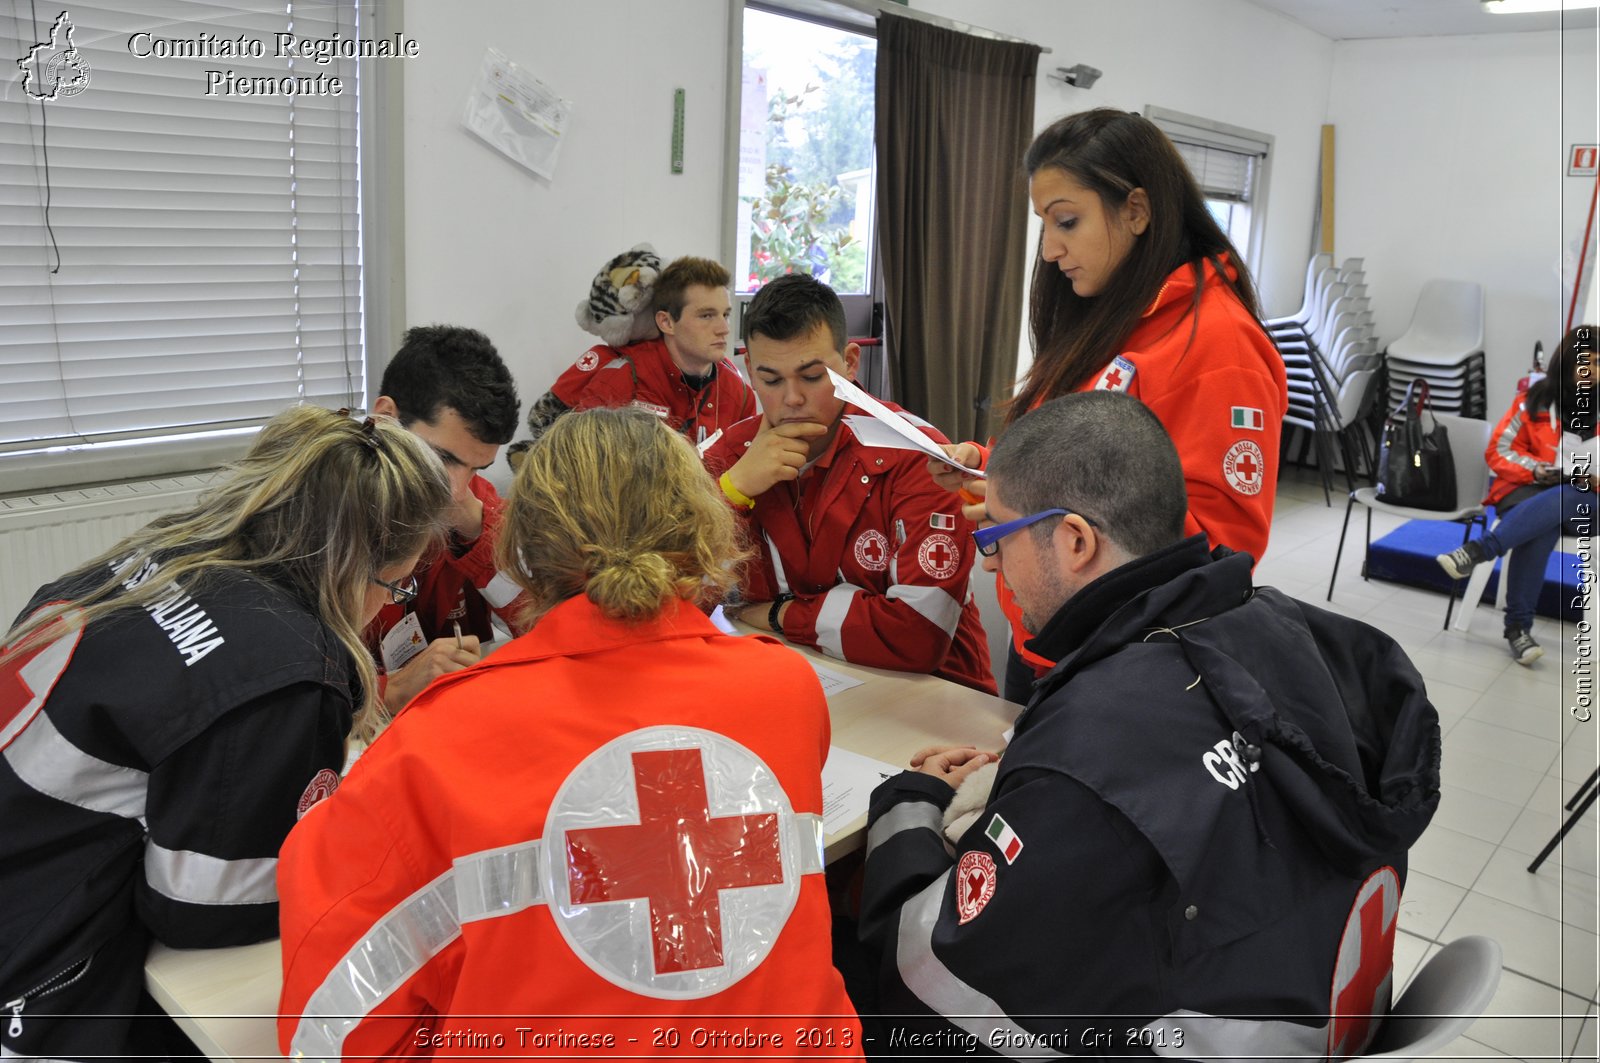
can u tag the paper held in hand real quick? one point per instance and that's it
(882, 427)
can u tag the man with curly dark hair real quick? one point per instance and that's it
(449, 387)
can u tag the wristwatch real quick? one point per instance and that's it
(777, 607)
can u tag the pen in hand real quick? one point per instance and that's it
(456, 624)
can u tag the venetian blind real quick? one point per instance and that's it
(1223, 162)
(176, 259)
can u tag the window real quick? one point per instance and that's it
(1230, 165)
(183, 250)
(806, 178)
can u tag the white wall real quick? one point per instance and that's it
(1451, 164)
(494, 246)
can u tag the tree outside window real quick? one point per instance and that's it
(806, 154)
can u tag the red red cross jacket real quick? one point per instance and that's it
(574, 842)
(643, 375)
(458, 588)
(1215, 381)
(876, 555)
(1519, 444)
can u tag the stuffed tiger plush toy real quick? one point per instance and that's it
(618, 307)
(618, 311)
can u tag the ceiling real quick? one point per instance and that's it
(1356, 19)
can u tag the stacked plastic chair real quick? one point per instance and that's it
(1443, 345)
(1330, 358)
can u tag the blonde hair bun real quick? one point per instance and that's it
(633, 586)
(616, 506)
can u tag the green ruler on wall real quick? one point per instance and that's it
(677, 131)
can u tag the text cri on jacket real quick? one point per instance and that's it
(1222, 761)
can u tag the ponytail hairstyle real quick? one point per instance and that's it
(1569, 384)
(614, 505)
(1111, 153)
(319, 505)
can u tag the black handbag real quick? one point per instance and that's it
(1415, 466)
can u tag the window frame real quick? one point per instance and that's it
(861, 312)
(1224, 137)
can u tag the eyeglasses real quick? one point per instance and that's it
(988, 539)
(400, 591)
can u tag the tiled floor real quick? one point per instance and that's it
(1513, 754)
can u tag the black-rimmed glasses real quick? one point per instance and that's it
(400, 591)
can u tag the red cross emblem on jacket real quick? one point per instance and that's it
(1118, 376)
(1364, 969)
(27, 679)
(676, 859)
(680, 858)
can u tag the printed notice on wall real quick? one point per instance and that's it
(517, 114)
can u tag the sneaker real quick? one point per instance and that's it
(1458, 563)
(1523, 649)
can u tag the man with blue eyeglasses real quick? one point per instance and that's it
(1196, 840)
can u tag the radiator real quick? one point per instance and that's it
(45, 535)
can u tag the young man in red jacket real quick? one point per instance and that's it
(861, 554)
(448, 386)
(684, 376)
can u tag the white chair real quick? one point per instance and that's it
(1319, 262)
(1443, 1000)
(1446, 326)
(1570, 544)
(1306, 320)
(1468, 437)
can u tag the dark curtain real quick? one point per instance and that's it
(954, 116)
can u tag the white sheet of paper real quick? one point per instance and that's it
(834, 682)
(724, 625)
(907, 435)
(875, 433)
(847, 782)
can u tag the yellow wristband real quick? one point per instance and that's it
(736, 496)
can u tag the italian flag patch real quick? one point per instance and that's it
(1005, 839)
(1246, 417)
(942, 521)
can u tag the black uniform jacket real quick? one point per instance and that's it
(1196, 808)
(151, 765)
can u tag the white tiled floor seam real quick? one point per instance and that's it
(1512, 758)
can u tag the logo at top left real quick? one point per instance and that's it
(55, 69)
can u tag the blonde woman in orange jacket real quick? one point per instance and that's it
(601, 838)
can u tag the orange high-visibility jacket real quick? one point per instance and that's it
(676, 897)
(1519, 444)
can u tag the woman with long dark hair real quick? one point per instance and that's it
(1534, 493)
(1137, 289)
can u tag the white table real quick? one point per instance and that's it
(226, 999)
